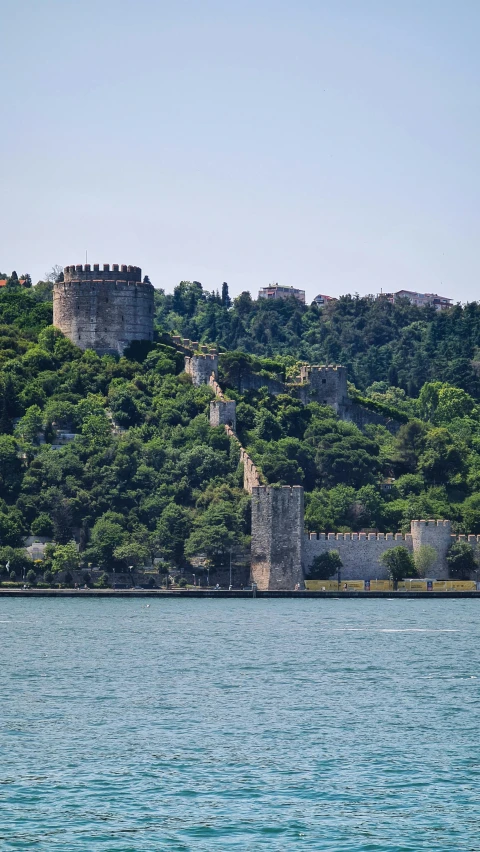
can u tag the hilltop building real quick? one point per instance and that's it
(421, 300)
(104, 310)
(323, 300)
(275, 291)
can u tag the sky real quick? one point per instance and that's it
(330, 145)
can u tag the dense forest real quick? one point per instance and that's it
(145, 475)
(400, 344)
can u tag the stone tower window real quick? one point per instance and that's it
(324, 381)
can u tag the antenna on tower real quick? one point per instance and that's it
(86, 257)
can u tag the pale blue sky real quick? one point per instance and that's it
(332, 146)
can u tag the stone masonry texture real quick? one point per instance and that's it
(325, 385)
(223, 413)
(201, 367)
(277, 537)
(104, 310)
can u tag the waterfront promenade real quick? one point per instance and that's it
(225, 593)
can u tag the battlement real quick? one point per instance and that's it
(192, 346)
(207, 357)
(86, 272)
(399, 538)
(309, 372)
(306, 369)
(430, 523)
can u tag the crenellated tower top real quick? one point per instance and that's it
(115, 272)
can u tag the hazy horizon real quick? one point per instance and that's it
(329, 147)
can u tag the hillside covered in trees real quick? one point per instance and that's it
(146, 476)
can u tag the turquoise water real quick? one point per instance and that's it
(239, 725)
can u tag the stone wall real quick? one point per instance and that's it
(103, 310)
(255, 381)
(277, 537)
(251, 474)
(223, 413)
(360, 552)
(354, 413)
(326, 385)
(201, 366)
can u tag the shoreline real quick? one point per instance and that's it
(224, 593)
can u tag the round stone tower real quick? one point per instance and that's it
(103, 309)
(437, 534)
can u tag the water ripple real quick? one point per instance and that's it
(344, 726)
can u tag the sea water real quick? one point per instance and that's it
(175, 724)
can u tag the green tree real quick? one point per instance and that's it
(107, 534)
(30, 425)
(66, 557)
(409, 445)
(10, 466)
(172, 531)
(400, 564)
(16, 558)
(460, 560)
(132, 553)
(325, 565)
(42, 526)
(471, 514)
(442, 458)
(424, 559)
(31, 577)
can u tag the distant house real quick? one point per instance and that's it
(323, 300)
(421, 300)
(274, 291)
(387, 484)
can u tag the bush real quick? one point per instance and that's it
(31, 577)
(103, 581)
(48, 577)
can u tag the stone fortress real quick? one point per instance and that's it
(107, 309)
(281, 551)
(104, 309)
